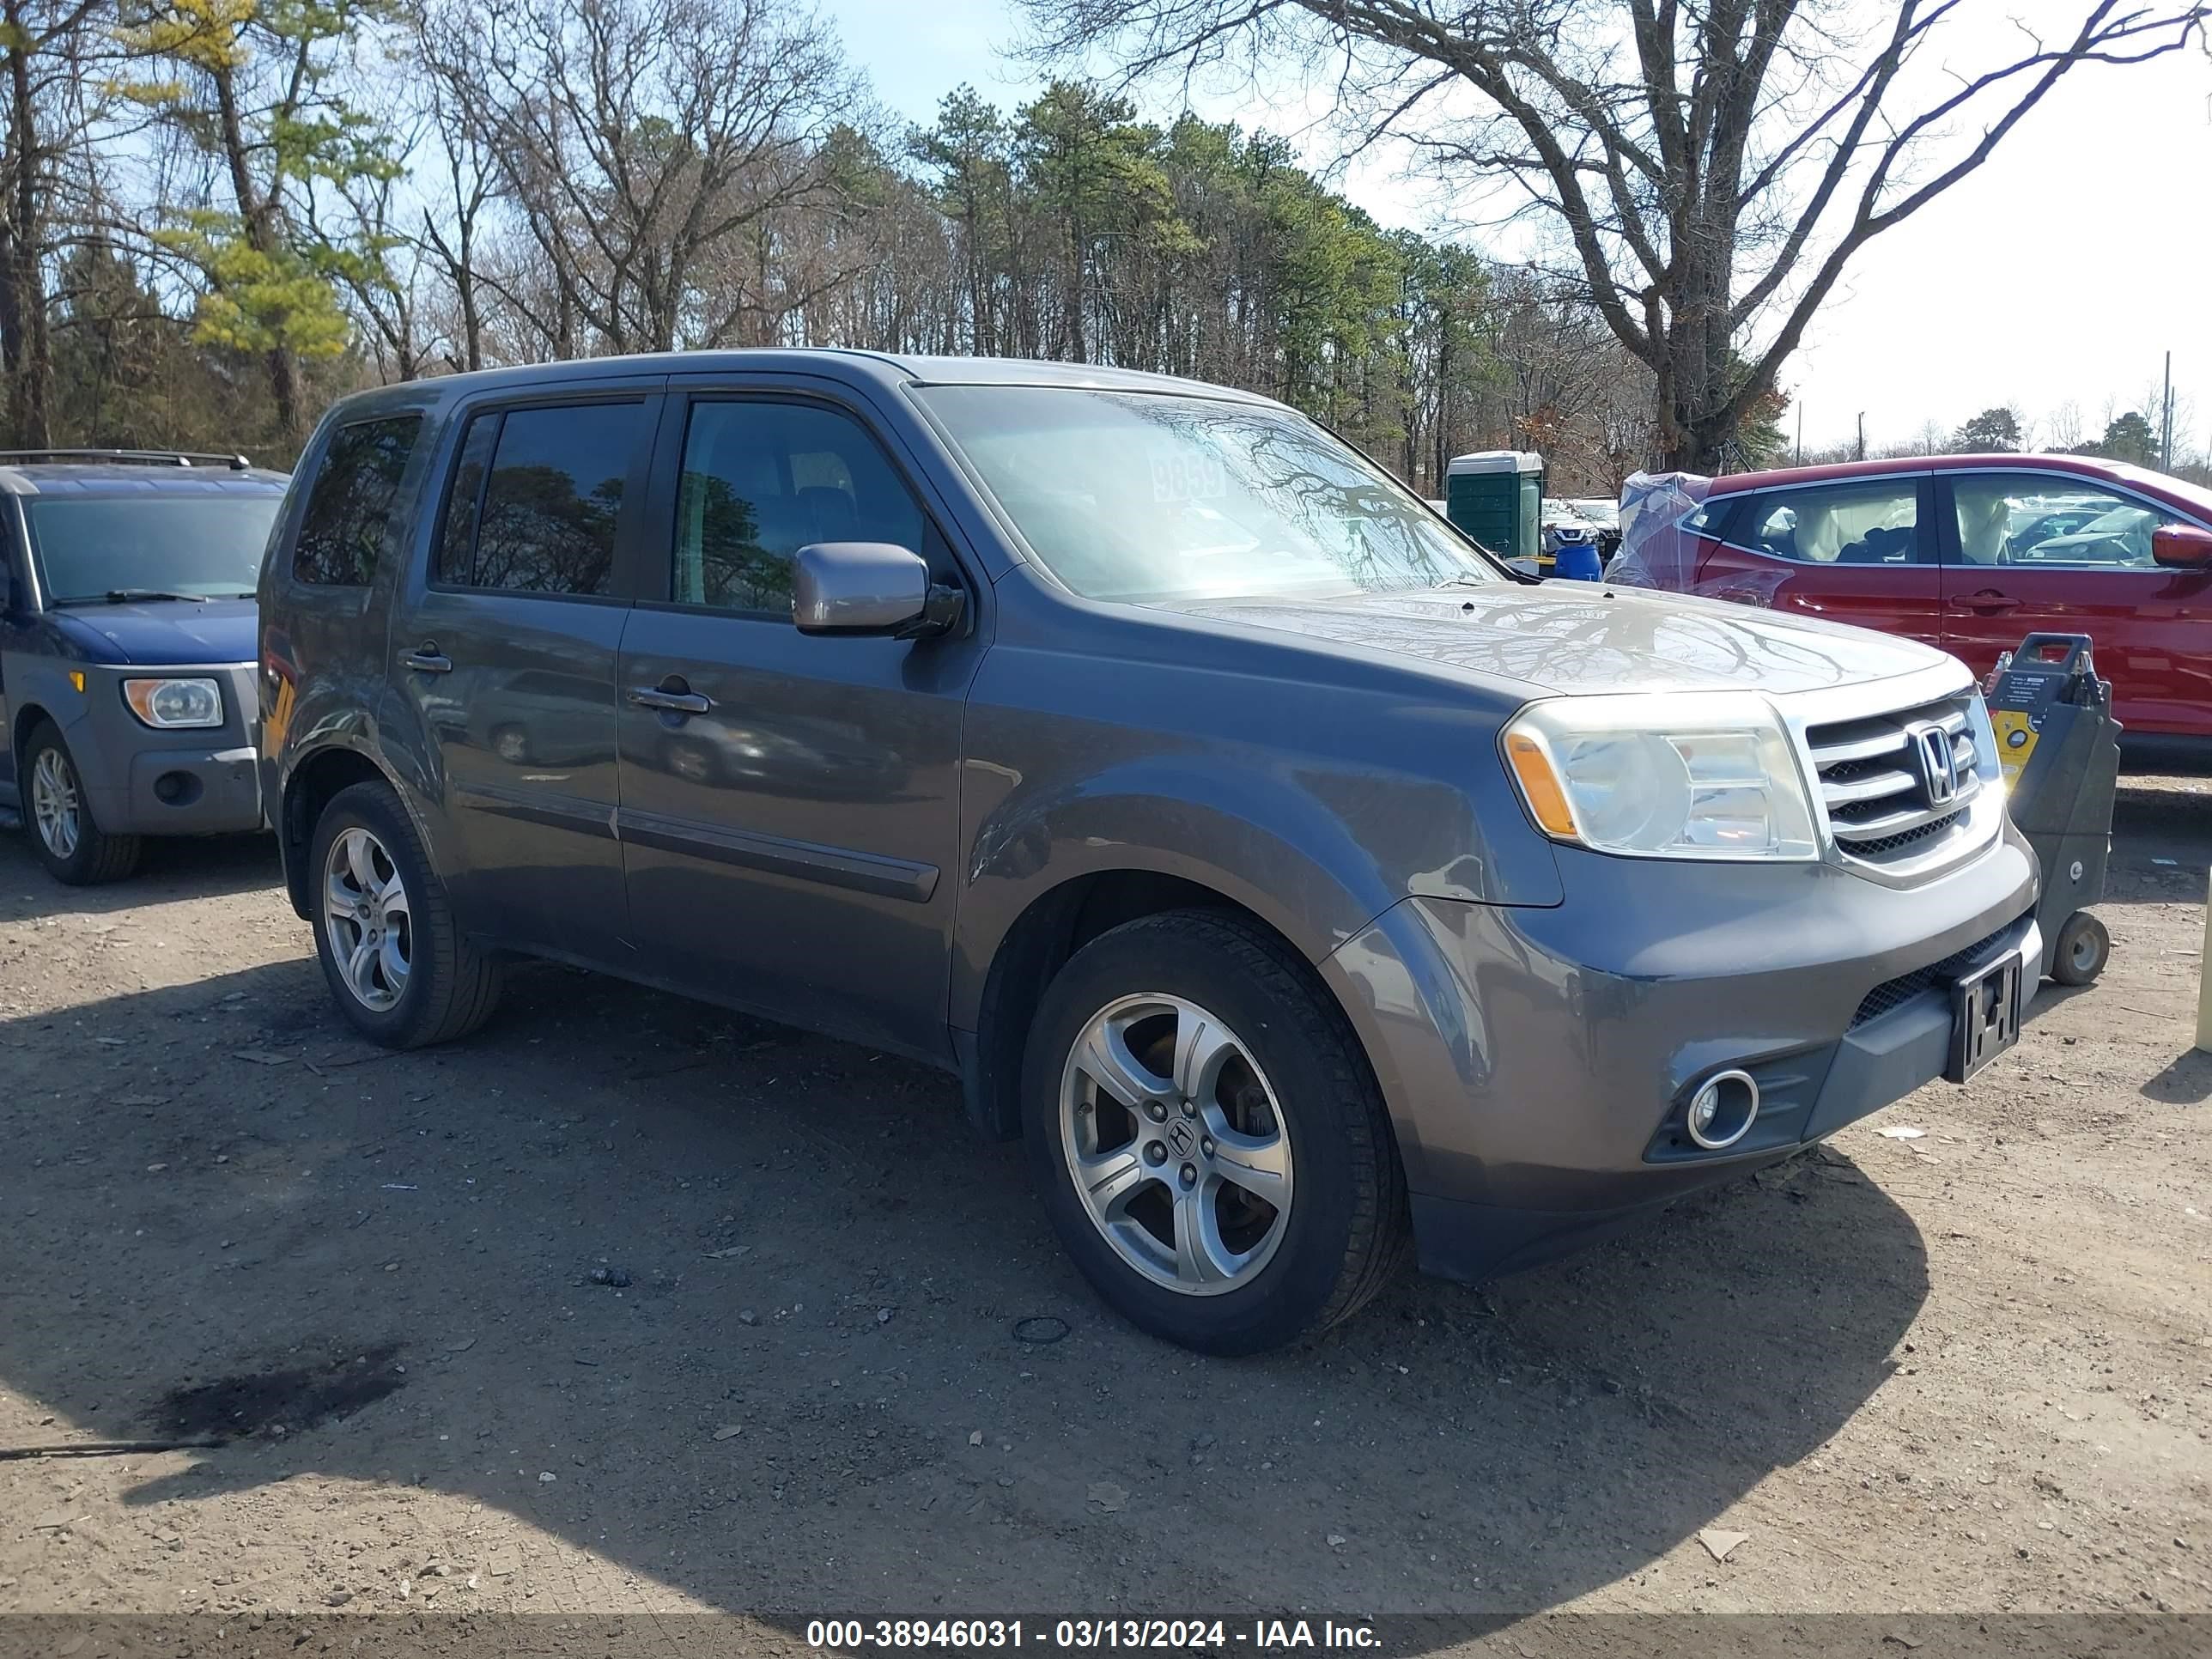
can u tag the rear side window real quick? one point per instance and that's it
(1859, 522)
(535, 499)
(350, 501)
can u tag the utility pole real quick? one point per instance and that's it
(1799, 461)
(2165, 420)
(1859, 454)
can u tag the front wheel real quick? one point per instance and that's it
(1209, 1140)
(69, 841)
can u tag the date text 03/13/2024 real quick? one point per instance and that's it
(1219, 1635)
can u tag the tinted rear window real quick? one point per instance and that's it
(541, 517)
(349, 504)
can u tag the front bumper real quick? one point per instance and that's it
(141, 782)
(1535, 1060)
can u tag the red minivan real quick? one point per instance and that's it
(1967, 552)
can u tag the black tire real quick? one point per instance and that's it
(453, 984)
(2084, 947)
(1347, 1232)
(98, 856)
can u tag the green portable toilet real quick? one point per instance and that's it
(1496, 496)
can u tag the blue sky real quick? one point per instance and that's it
(2060, 272)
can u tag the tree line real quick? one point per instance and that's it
(219, 214)
(216, 215)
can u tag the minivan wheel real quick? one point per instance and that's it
(64, 833)
(399, 968)
(1211, 1145)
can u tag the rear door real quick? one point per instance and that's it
(792, 833)
(1855, 550)
(2028, 551)
(505, 642)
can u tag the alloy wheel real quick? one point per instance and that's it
(1175, 1144)
(54, 805)
(366, 917)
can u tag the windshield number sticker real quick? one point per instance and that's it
(1178, 476)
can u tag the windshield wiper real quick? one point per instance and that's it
(136, 595)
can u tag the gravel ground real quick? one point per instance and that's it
(628, 1305)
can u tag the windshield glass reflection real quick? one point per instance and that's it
(1139, 496)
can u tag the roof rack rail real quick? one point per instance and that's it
(133, 456)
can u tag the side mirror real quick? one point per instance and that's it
(2181, 546)
(869, 588)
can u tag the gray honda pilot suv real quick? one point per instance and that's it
(1300, 883)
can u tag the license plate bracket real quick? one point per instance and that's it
(1985, 1016)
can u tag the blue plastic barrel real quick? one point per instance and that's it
(1578, 561)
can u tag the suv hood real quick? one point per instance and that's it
(163, 631)
(1574, 638)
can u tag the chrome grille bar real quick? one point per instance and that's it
(1886, 801)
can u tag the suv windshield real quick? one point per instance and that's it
(1137, 495)
(201, 546)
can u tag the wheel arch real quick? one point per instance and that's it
(1051, 928)
(310, 786)
(20, 728)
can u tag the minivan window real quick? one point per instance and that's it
(764, 479)
(1139, 495)
(349, 504)
(550, 499)
(207, 546)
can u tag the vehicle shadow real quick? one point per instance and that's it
(801, 1379)
(170, 867)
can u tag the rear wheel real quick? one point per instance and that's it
(399, 968)
(65, 837)
(1210, 1143)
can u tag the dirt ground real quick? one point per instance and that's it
(627, 1305)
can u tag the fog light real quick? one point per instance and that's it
(1722, 1110)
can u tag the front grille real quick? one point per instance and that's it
(1896, 993)
(1883, 783)
(1904, 838)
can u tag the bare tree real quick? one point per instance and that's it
(641, 144)
(1711, 167)
(47, 49)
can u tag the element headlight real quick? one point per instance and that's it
(1693, 776)
(170, 704)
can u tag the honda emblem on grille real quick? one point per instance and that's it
(1937, 763)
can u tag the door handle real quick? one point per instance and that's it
(1988, 605)
(424, 659)
(677, 702)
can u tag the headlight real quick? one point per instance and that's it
(1679, 777)
(172, 703)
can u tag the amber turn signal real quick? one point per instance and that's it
(1540, 784)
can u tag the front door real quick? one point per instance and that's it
(1851, 550)
(506, 644)
(2029, 552)
(790, 817)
